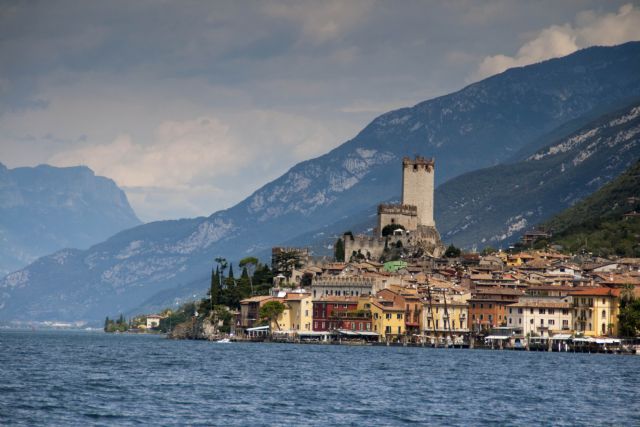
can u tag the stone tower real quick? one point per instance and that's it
(417, 188)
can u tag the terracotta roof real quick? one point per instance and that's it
(596, 292)
(257, 299)
(540, 304)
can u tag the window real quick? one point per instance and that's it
(399, 330)
(531, 311)
(552, 311)
(387, 329)
(541, 310)
(473, 305)
(481, 305)
(306, 313)
(453, 324)
(565, 311)
(519, 311)
(490, 318)
(531, 321)
(490, 305)
(437, 324)
(565, 323)
(541, 322)
(604, 314)
(399, 316)
(520, 321)
(315, 325)
(510, 320)
(323, 325)
(481, 317)
(510, 310)
(473, 317)
(388, 315)
(603, 301)
(551, 322)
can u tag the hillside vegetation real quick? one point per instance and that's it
(597, 224)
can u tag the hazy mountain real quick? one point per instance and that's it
(481, 125)
(44, 209)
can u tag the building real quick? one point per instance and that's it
(410, 300)
(445, 314)
(300, 311)
(250, 310)
(487, 307)
(388, 319)
(595, 311)
(328, 311)
(153, 321)
(352, 286)
(540, 316)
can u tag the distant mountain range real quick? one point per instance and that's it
(45, 209)
(484, 124)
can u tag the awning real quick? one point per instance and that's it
(258, 328)
(497, 337)
(561, 337)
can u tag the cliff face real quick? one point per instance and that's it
(479, 126)
(44, 209)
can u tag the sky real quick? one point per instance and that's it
(191, 106)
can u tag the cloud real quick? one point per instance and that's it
(198, 165)
(321, 21)
(589, 29)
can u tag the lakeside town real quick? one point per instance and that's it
(401, 286)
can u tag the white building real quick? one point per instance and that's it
(540, 316)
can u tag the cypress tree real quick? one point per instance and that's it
(339, 250)
(215, 287)
(231, 271)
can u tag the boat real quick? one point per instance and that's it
(224, 340)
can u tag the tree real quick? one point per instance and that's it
(222, 265)
(338, 252)
(106, 323)
(629, 317)
(452, 252)
(285, 262)
(271, 310)
(214, 292)
(250, 264)
(488, 251)
(389, 229)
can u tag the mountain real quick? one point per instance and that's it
(493, 206)
(603, 223)
(478, 126)
(44, 209)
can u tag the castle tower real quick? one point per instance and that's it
(417, 187)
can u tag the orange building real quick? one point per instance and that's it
(488, 307)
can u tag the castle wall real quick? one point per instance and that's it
(418, 187)
(406, 216)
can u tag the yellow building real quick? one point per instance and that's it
(450, 314)
(300, 308)
(595, 311)
(387, 319)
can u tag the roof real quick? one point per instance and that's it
(597, 292)
(259, 298)
(540, 304)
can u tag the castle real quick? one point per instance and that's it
(416, 228)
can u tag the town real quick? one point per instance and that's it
(401, 286)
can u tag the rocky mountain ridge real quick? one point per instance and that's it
(45, 208)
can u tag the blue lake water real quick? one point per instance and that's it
(81, 378)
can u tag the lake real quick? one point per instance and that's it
(84, 378)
